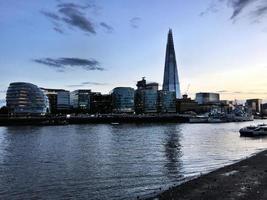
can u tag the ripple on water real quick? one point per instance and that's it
(108, 162)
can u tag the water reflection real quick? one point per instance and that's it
(21, 169)
(3, 143)
(173, 151)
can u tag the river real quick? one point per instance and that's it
(114, 161)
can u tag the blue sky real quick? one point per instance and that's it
(220, 44)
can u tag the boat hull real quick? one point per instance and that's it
(251, 133)
(246, 133)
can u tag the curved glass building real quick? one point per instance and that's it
(26, 98)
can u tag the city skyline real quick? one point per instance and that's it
(103, 44)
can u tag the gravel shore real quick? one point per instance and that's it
(246, 179)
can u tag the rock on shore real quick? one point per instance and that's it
(246, 179)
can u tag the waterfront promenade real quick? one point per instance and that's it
(246, 180)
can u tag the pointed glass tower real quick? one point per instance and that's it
(171, 79)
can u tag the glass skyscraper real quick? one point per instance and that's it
(80, 99)
(171, 79)
(123, 100)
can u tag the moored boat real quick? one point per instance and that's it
(254, 131)
(198, 119)
(115, 123)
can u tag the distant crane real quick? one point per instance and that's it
(187, 89)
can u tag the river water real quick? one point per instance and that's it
(113, 161)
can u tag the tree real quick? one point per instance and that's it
(3, 110)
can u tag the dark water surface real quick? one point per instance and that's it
(113, 161)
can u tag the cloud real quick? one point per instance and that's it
(62, 64)
(213, 8)
(59, 30)
(2, 102)
(222, 91)
(83, 84)
(50, 15)
(135, 22)
(73, 5)
(74, 86)
(239, 5)
(107, 27)
(75, 16)
(72, 16)
(258, 8)
(93, 83)
(241, 92)
(260, 12)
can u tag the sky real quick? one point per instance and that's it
(102, 44)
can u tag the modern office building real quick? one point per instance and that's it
(146, 97)
(138, 97)
(141, 84)
(59, 99)
(26, 99)
(150, 101)
(101, 103)
(186, 104)
(52, 97)
(167, 101)
(123, 100)
(152, 86)
(227, 106)
(171, 79)
(80, 100)
(63, 100)
(207, 98)
(264, 109)
(254, 105)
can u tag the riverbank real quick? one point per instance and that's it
(50, 120)
(246, 179)
(93, 119)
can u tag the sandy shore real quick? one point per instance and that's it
(246, 179)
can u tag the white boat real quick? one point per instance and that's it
(216, 120)
(253, 131)
(206, 119)
(115, 123)
(198, 119)
(239, 118)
